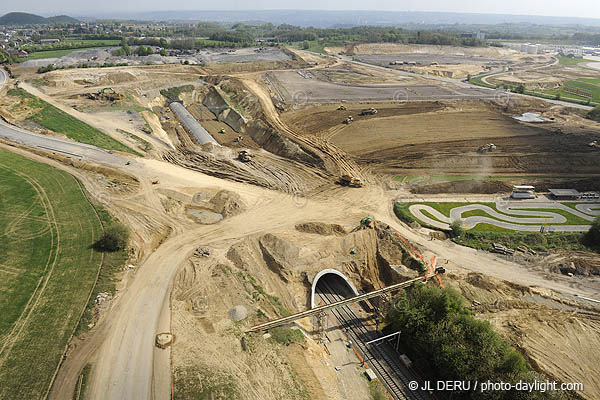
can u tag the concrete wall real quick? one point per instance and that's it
(325, 272)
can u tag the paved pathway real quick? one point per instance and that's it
(511, 216)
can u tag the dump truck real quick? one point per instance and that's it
(244, 156)
(347, 180)
(369, 111)
(348, 120)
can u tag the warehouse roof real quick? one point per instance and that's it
(564, 192)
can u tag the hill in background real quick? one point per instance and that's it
(20, 18)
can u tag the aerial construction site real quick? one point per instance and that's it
(279, 223)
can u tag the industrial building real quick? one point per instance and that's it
(564, 194)
(523, 192)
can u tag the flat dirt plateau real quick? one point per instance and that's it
(444, 136)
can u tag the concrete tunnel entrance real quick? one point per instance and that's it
(334, 276)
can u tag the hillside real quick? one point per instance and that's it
(61, 19)
(20, 18)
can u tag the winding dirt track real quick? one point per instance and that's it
(123, 343)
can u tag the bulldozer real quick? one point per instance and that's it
(347, 180)
(244, 156)
(342, 107)
(369, 111)
(348, 120)
(487, 148)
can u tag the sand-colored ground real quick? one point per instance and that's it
(260, 237)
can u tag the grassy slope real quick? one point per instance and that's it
(50, 247)
(58, 121)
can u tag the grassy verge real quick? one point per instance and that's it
(571, 61)
(144, 144)
(204, 383)
(286, 335)
(377, 390)
(38, 55)
(533, 240)
(172, 94)
(50, 117)
(551, 94)
(47, 270)
(257, 292)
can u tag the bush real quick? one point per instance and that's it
(592, 237)
(114, 238)
(286, 336)
(457, 229)
(594, 114)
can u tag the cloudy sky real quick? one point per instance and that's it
(572, 8)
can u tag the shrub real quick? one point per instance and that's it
(592, 237)
(594, 114)
(114, 238)
(286, 336)
(457, 229)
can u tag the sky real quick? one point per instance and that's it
(562, 8)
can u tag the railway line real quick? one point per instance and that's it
(382, 358)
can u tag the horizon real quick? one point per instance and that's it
(581, 9)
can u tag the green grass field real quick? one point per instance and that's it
(570, 61)
(47, 270)
(50, 51)
(446, 207)
(58, 121)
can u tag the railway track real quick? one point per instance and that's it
(382, 357)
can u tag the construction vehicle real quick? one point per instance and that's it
(155, 182)
(244, 156)
(106, 94)
(342, 107)
(222, 130)
(487, 148)
(369, 111)
(349, 120)
(347, 180)
(367, 222)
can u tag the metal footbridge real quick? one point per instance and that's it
(317, 310)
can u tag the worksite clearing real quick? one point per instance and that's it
(300, 163)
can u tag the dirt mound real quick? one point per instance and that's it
(238, 313)
(279, 255)
(321, 229)
(228, 203)
(471, 186)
